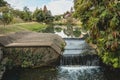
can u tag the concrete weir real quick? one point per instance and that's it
(30, 49)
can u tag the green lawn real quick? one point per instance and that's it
(31, 26)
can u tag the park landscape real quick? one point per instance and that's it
(81, 43)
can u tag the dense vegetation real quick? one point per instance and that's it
(43, 15)
(9, 15)
(21, 57)
(102, 19)
(2, 3)
(5, 15)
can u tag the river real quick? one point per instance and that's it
(78, 62)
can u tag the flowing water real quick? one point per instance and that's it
(78, 62)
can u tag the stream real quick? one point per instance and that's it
(78, 62)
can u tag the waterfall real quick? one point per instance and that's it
(88, 60)
(77, 52)
(79, 62)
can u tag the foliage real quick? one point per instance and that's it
(58, 29)
(42, 15)
(27, 15)
(102, 19)
(22, 57)
(17, 13)
(7, 17)
(77, 32)
(38, 15)
(57, 17)
(35, 13)
(48, 17)
(3, 3)
(49, 29)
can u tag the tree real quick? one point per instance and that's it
(35, 13)
(57, 17)
(40, 16)
(3, 6)
(7, 17)
(3, 3)
(27, 15)
(45, 9)
(102, 19)
(48, 17)
(43, 15)
(17, 13)
(5, 9)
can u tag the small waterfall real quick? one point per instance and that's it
(79, 62)
(77, 52)
(84, 60)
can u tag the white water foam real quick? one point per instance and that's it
(62, 34)
(77, 72)
(78, 68)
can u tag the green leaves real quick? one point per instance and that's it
(102, 19)
(42, 15)
(114, 22)
(7, 17)
(110, 37)
(3, 3)
(106, 13)
(26, 64)
(93, 22)
(27, 15)
(115, 62)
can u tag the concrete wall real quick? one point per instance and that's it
(32, 56)
(2, 67)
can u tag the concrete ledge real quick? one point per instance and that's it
(32, 39)
(32, 49)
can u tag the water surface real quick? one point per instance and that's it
(77, 63)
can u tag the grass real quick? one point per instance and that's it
(31, 26)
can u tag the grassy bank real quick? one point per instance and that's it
(31, 26)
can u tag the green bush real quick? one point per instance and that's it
(102, 19)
